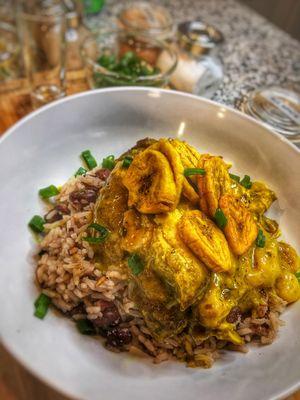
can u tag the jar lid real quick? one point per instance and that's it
(198, 37)
(279, 108)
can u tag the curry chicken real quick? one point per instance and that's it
(193, 238)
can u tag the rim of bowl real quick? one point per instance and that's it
(124, 33)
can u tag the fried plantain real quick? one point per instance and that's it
(213, 184)
(206, 240)
(190, 158)
(241, 229)
(154, 179)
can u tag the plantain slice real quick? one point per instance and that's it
(241, 229)
(173, 157)
(190, 158)
(154, 179)
(206, 241)
(213, 184)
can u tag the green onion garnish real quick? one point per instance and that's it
(49, 191)
(136, 264)
(41, 305)
(261, 239)
(127, 161)
(89, 159)
(80, 171)
(220, 218)
(193, 171)
(297, 274)
(37, 223)
(108, 162)
(98, 239)
(85, 327)
(235, 177)
(246, 182)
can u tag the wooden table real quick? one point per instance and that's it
(15, 382)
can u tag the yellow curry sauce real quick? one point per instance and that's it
(201, 235)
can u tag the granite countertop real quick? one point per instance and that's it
(255, 53)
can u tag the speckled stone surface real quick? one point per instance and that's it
(255, 52)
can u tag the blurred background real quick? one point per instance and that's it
(285, 14)
(218, 49)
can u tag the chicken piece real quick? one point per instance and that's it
(184, 275)
(260, 198)
(140, 146)
(214, 307)
(241, 229)
(287, 287)
(215, 183)
(190, 158)
(162, 321)
(151, 286)
(154, 179)
(109, 210)
(266, 267)
(137, 236)
(138, 231)
(206, 241)
(288, 257)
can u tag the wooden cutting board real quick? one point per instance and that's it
(15, 382)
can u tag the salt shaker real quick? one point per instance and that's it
(199, 71)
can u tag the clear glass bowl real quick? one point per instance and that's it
(117, 43)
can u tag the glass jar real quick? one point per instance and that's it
(146, 19)
(120, 58)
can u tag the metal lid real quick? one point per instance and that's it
(198, 37)
(277, 107)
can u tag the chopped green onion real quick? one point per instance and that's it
(127, 161)
(193, 171)
(108, 162)
(85, 327)
(89, 159)
(261, 239)
(298, 275)
(235, 177)
(41, 305)
(246, 182)
(220, 218)
(103, 234)
(80, 171)
(49, 191)
(136, 264)
(37, 223)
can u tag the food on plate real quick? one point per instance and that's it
(166, 253)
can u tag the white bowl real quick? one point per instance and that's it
(44, 148)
